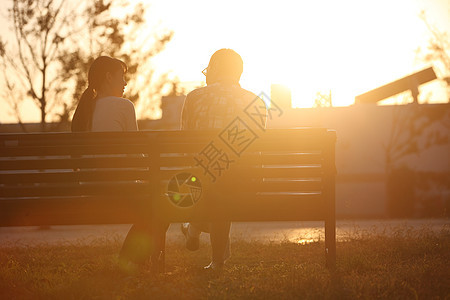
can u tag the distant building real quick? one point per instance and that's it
(171, 107)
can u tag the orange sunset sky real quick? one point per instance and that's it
(348, 47)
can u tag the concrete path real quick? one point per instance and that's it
(300, 232)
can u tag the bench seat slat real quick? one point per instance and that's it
(271, 207)
(74, 210)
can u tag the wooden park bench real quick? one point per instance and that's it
(176, 176)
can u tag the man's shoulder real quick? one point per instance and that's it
(197, 92)
(248, 93)
(221, 89)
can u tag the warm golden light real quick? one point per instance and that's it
(343, 47)
(346, 47)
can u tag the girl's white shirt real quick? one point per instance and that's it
(114, 114)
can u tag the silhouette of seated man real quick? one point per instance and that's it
(214, 107)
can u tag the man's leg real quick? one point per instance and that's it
(192, 233)
(220, 243)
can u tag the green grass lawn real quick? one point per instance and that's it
(405, 265)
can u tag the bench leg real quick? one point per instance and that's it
(330, 244)
(158, 255)
(330, 219)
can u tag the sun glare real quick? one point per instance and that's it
(346, 47)
(311, 47)
(340, 47)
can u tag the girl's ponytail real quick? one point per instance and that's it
(82, 119)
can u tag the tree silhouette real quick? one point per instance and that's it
(127, 39)
(37, 28)
(437, 52)
(55, 42)
(415, 128)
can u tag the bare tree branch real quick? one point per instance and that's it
(51, 52)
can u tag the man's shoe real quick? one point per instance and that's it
(192, 243)
(214, 267)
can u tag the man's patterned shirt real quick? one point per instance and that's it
(216, 105)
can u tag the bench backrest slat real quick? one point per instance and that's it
(62, 163)
(58, 176)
